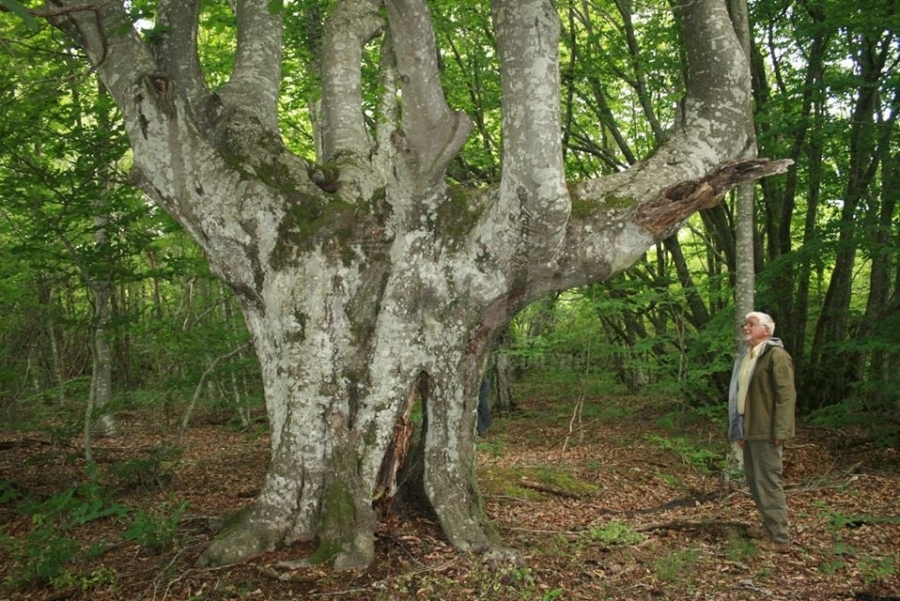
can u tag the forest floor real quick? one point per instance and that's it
(616, 503)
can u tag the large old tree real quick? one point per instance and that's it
(366, 281)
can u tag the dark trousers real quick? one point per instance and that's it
(763, 470)
(483, 417)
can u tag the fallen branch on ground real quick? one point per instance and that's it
(687, 525)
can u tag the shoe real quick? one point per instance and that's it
(775, 547)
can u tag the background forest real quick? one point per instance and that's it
(109, 309)
(108, 305)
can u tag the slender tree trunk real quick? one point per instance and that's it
(499, 372)
(885, 233)
(745, 280)
(502, 394)
(102, 365)
(699, 313)
(745, 224)
(102, 287)
(806, 147)
(48, 323)
(832, 377)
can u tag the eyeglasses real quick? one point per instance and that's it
(748, 324)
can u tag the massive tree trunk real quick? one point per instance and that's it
(369, 281)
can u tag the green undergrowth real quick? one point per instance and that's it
(573, 405)
(533, 482)
(874, 423)
(485, 580)
(49, 549)
(616, 533)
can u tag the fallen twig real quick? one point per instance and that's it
(549, 490)
(683, 525)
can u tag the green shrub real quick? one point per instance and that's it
(42, 554)
(39, 557)
(877, 570)
(47, 553)
(155, 530)
(102, 576)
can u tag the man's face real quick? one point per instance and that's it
(753, 332)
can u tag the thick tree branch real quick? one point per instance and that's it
(434, 133)
(114, 56)
(256, 79)
(610, 231)
(630, 212)
(63, 9)
(351, 26)
(533, 184)
(175, 46)
(719, 73)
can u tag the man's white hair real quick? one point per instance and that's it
(764, 319)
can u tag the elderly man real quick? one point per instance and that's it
(761, 401)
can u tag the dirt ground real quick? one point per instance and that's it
(607, 506)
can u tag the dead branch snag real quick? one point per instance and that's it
(665, 213)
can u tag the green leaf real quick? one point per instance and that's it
(20, 11)
(275, 7)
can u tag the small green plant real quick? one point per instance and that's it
(837, 520)
(765, 573)
(102, 576)
(842, 548)
(616, 533)
(878, 570)
(739, 549)
(497, 580)
(832, 567)
(702, 459)
(8, 493)
(494, 448)
(562, 480)
(670, 480)
(38, 557)
(148, 473)
(608, 413)
(674, 566)
(155, 530)
(869, 417)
